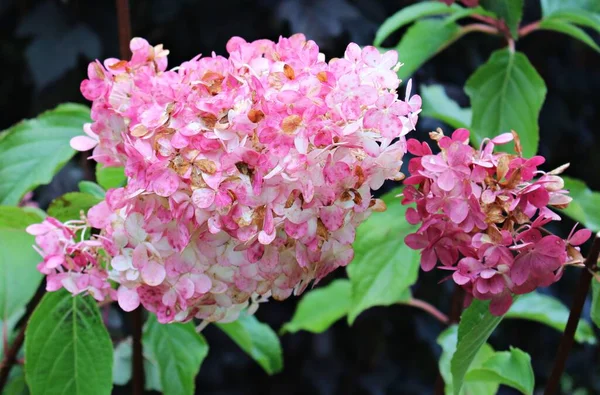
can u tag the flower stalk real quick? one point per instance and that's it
(576, 307)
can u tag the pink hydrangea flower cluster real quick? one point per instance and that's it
(482, 216)
(247, 175)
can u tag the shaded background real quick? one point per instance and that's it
(44, 50)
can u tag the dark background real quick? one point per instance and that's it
(44, 50)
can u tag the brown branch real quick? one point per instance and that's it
(525, 30)
(137, 318)
(479, 27)
(576, 307)
(429, 308)
(124, 24)
(10, 356)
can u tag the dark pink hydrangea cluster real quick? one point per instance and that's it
(482, 216)
(247, 175)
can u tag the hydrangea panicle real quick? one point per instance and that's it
(482, 216)
(247, 174)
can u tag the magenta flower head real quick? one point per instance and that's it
(247, 174)
(482, 216)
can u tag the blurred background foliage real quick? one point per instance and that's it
(45, 46)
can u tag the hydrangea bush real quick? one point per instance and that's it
(246, 176)
(230, 180)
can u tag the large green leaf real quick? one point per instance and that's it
(558, 25)
(178, 351)
(70, 205)
(550, 311)
(512, 368)
(475, 327)
(32, 151)
(577, 17)
(423, 40)
(510, 11)
(258, 341)
(507, 93)
(551, 7)
(320, 308)
(584, 207)
(17, 218)
(447, 339)
(68, 348)
(19, 277)
(383, 268)
(409, 14)
(110, 177)
(436, 104)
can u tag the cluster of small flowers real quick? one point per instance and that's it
(490, 209)
(247, 175)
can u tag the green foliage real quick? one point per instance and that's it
(70, 205)
(110, 177)
(476, 326)
(550, 311)
(551, 7)
(447, 339)
(258, 341)
(510, 11)
(19, 277)
(177, 351)
(595, 311)
(507, 93)
(423, 40)
(32, 151)
(68, 348)
(122, 363)
(436, 104)
(584, 207)
(320, 308)
(383, 268)
(561, 26)
(92, 188)
(16, 382)
(410, 14)
(511, 368)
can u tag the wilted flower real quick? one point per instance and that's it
(482, 216)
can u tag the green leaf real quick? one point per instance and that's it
(512, 368)
(17, 218)
(447, 339)
(258, 341)
(178, 351)
(423, 40)
(320, 308)
(475, 327)
(409, 14)
(69, 206)
(578, 17)
(19, 277)
(551, 7)
(507, 93)
(560, 26)
(91, 188)
(466, 12)
(550, 311)
(383, 268)
(16, 382)
(437, 105)
(122, 367)
(584, 207)
(32, 151)
(68, 348)
(510, 11)
(110, 177)
(595, 311)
